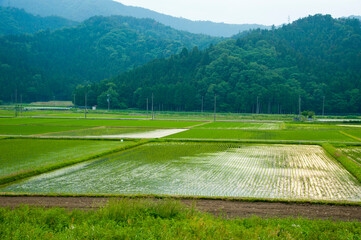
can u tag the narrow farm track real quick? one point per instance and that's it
(228, 209)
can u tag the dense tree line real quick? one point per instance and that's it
(315, 58)
(48, 64)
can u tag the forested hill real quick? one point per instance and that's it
(313, 57)
(49, 64)
(79, 10)
(16, 21)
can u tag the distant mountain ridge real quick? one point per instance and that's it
(79, 10)
(16, 21)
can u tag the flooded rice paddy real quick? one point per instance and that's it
(229, 170)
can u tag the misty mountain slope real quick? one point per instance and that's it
(16, 21)
(79, 10)
(313, 57)
(53, 63)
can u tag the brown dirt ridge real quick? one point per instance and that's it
(225, 208)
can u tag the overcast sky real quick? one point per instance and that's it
(266, 12)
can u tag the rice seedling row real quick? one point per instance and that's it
(233, 170)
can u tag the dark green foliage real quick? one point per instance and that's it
(163, 219)
(16, 21)
(260, 72)
(50, 65)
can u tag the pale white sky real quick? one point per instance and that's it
(265, 12)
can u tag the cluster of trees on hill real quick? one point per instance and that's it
(48, 64)
(315, 58)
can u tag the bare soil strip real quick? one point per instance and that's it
(225, 208)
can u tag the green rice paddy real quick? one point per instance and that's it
(98, 122)
(17, 155)
(283, 135)
(227, 170)
(102, 131)
(31, 130)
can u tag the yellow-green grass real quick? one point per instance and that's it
(282, 135)
(17, 155)
(242, 125)
(352, 152)
(166, 219)
(350, 165)
(354, 132)
(32, 130)
(313, 125)
(94, 115)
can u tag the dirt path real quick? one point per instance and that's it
(230, 209)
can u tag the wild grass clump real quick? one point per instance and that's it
(166, 219)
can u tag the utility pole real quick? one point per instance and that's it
(299, 105)
(74, 99)
(147, 107)
(108, 100)
(202, 105)
(21, 105)
(86, 95)
(323, 106)
(215, 106)
(257, 108)
(16, 102)
(152, 107)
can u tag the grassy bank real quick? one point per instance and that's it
(142, 219)
(184, 197)
(350, 165)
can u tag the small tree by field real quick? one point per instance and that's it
(308, 114)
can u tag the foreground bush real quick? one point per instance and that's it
(165, 219)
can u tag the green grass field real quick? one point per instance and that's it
(18, 155)
(283, 135)
(147, 219)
